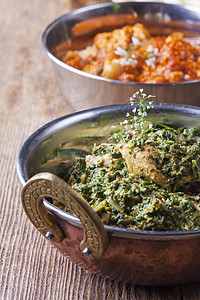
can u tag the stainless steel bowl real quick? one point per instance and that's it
(141, 257)
(83, 90)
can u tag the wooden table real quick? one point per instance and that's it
(30, 267)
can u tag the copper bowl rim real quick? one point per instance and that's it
(95, 7)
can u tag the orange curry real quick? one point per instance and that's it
(132, 54)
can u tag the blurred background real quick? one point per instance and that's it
(78, 3)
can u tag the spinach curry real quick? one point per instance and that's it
(145, 177)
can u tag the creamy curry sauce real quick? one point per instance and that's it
(132, 54)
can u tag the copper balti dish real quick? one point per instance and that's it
(140, 257)
(82, 24)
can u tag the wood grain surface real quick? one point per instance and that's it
(30, 267)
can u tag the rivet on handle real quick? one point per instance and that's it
(49, 235)
(46, 185)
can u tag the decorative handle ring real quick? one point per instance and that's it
(46, 185)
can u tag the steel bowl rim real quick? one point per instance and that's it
(95, 77)
(51, 127)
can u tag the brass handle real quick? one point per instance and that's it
(44, 185)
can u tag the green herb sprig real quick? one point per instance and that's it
(145, 102)
(138, 121)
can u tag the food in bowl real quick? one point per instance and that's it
(144, 177)
(76, 30)
(132, 54)
(139, 256)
